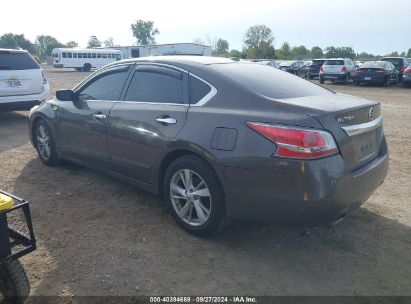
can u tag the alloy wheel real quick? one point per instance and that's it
(190, 197)
(43, 142)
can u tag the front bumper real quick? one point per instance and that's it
(298, 192)
(24, 102)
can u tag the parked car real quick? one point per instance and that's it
(314, 68)
(219, 139)
(337, 69)
(400, 64)
(22, 81)
(406, 80)
(269, 62)
(295, 67)
(382, 72)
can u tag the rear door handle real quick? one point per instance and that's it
(167, 120)
(99, 116)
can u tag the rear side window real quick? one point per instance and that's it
(334, 62)
(156, 85)
(394, 61)
(272, 83)
(17, 61)
(198, 89)
(106, 86)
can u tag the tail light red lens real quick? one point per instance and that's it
(294, 142)
(344, 69)
(380, 71)
(407, 71)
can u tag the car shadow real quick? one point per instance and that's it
(99, 236)
(13, 130)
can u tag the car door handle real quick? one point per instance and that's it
(99, 116)
(167, 120)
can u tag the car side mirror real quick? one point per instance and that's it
(65, 95)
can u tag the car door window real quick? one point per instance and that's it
(105, 86)
(156, 84)
(198, 89)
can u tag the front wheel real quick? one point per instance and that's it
(194, 196)
(14, 284)
(44, 143)
(87, 67)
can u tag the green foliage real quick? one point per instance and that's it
(409, 53)
(258, 42)
(221, 47)
(316, 52)
(13, 41)
(284, 52)
(45, 45)
(300, 52)
(109, 42)
(339, 52)
(366, 56)
(234, 53)
(144, 32)
(71, 44)
(93, 42)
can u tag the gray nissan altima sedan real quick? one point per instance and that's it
(219, 139)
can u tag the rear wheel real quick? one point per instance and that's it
(321, 80)
(87, 67)
(14, 284)
(194, 196)
(45, 144)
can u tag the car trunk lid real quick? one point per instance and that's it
(355, 123)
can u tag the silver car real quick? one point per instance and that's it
(337, 69)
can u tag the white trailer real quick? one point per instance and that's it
(163, 49)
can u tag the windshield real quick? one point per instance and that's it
(272, 83)
(334, 62)
(374, 64)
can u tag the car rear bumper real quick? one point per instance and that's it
(24, 102)
(300, 192)
(329, 76)
(371, 79)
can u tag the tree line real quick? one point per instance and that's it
(258, 43)
(44, 44)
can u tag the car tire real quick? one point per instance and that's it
(87, 67)
(14, 285)
(321, 80)
(44, 143)
(203, 214)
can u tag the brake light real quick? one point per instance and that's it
(402, 68)
(294, 142)
(380, 71)
(407, 71)
(344, 69)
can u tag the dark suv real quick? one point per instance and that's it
(400, 64)
(314, 68)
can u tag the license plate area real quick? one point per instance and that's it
(12, 84)
(365, 146)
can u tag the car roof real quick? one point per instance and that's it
(204, 60)
(12, 51)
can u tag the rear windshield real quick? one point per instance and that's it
(17, 61)
(318, 62)
(334, 62)
(376, 64)
(272, 83)
(394, 61)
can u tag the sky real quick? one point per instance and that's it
(377, 26)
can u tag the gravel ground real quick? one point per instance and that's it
(99, 236)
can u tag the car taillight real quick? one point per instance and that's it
(321, 69)
(402, 68)
(344, 69)
(295, 142)
(380, 71)
(407, 71)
